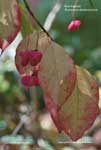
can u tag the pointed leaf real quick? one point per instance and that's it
(56, 67)
(80, 110)
(10, 20)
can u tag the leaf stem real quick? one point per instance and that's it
(73, 12)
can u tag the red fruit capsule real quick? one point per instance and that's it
(35, 57)
(36, 80)
(24, 58)
(30, 80)
(74, 25)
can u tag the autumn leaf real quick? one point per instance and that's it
(73, 106)
(80, 110)
(10, 21)
(70, 93)
(56, 68)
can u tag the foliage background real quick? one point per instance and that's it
(17, 103)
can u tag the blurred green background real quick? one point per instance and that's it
(16, 102)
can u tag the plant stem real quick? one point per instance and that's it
(18, 128)
(73, 12)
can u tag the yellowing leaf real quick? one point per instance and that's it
(10, 20)
(79, 111)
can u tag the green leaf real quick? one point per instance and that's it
(3, 125)
(26, 27)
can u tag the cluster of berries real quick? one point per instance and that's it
(32, 57)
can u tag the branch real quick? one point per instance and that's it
(18, 127)
(52, 15)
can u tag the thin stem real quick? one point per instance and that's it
(31, 13)
(37, 40)
(73, 12)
